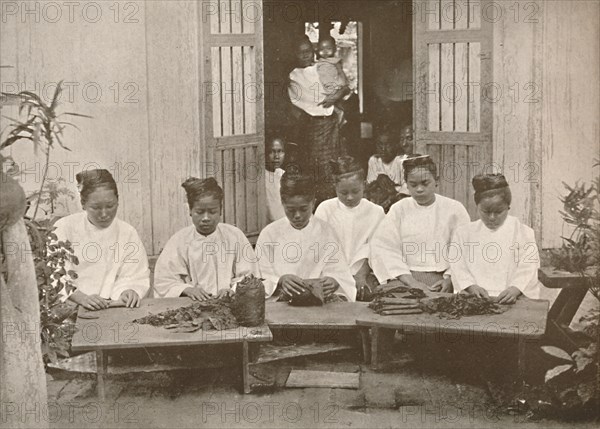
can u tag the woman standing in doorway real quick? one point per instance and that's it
(317, 123)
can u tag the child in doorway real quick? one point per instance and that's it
(388, 161)
(498, 254)
(275, 150)
(331, 73)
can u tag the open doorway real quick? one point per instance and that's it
(375, 43)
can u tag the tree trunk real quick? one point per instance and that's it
(23, 395)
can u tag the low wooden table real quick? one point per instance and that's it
(573, 289)
(336, 315)
(525, 321)
(112, 329)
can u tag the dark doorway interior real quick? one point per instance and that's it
(384, 62)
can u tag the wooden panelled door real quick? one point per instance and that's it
(232, 55)
(453, 78)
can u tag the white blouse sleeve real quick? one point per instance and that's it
(364, 251)
(462, 218)
(171, 269)
(337, 267)
(387, 258)
(265, 251)
(372, 171)
(524, 276)
(459, 257)
(133, 273)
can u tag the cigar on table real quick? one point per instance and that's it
(398, 301)
(393, 312)
(399, 307)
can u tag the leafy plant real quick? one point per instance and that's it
(573, 385)
(42, 126)
(580, 252)
(50, 260)
(52, 196)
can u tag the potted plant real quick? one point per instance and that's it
(577, 261)
(44, 127)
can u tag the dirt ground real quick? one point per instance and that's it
(424, 382)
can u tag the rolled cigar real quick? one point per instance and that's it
(400, 307)
(393, 312)
(398, 301)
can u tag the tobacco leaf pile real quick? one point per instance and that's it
(212, 314)
(456, 306)
(246, 307)
(394, 298)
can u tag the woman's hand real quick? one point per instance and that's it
(89, 302)
(130, 298)
(292, 285)
(477, 291)
(330, 285)
(411, 282)
(334, 97)
(508, 296)
(196, 293)
(362, 287)
(224, 292)
(444, 285)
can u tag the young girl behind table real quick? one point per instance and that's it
(496, 255)
(412, 241)
(205, 259)
(352, 217)
(113, 265)
(302, 247)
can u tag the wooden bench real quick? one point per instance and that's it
(573, 288)
(524, 321)
(113, 329)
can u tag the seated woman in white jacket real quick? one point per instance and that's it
(352, 217)
(496, 255)
(112, 262)
(207, 258)
(412, 241)
(300, 247)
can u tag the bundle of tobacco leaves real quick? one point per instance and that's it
(395, 289)
(456, 306)
(248, 302)
(312, 295)
(206, 315)
(394, 298)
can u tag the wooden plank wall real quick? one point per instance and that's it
(450, 125)
(546, 118)
(103, 64)
(570, 105)
(233, 48)
(176, 148)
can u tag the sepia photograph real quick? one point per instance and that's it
(299, 214)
